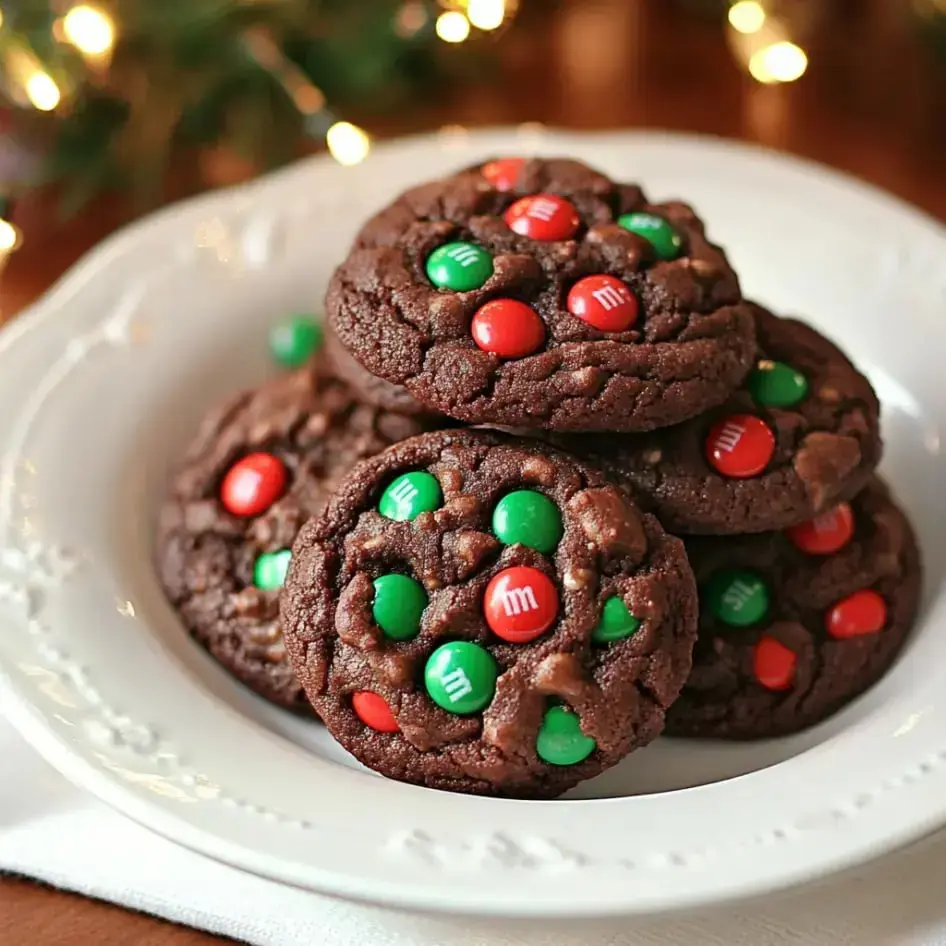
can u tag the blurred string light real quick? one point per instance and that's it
(9, 237)
(42, 91)
(452, 26)
(347, 143)
(762, 42)
(89, 29)
(28, 82)
(486, 14)
(780, 62)
(747, 16)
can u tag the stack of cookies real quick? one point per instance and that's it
(550, 487)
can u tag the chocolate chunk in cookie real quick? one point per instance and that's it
(795, 624)
(262, 463)
(801, 434)
(483, 614)
(551, 297)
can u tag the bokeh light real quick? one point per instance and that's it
(453, 27)
(42, 91)
(89, 29)
(9, 236)
(347, 143)
(486, 14)
(780, 62)
(747, 16)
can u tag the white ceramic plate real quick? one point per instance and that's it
(102, 383)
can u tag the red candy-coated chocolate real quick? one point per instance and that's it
(826, 534)
(504, 173)
(740, 446)
(774, 664)
(543, 217)
(521, 604)
(253, 484)
(374, 712)
(508, 328)
(864, 612)
(603, 302)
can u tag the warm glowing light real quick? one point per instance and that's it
(89, 30)
(1, 17)
(411, 18)
(453, 27)
(780, 62)
(42, 91)
(486, 14)
(9, 236)
(747, 16)
(347, 143)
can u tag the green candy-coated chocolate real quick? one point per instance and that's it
(560, 740)
(461, 267)
(775, 384)
(528, 518)
(665, 240)
(461, 677)
(616, 622)
(269, 571)
(399, 602)
(410, 495)
(738, 597)
(293, 341)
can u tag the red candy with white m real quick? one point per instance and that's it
(604, 302)
(827, 534)
(521, 604)
(544, 217)
(740, 446)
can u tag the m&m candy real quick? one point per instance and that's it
(269, 571)
(604, 302)
(410, 495)
(864, 612)
(527, 517)
(503, 173)
(461, 267)
(665, 240)
(399, 603)
(616, 622)
(560, 740)
(293, 341)
(740, 446)
(775, 384)
(460, 677)
(520, 604)
(253, 484)
(508, 328)
(774, 664)
(826, 534)
(544, 217)
(374, 712)
(737, 597)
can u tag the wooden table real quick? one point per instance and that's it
(871, 103)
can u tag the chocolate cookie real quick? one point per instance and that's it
(801, 434)
(542, 294)
(795, 624)
(369, 387)
(483, 614)
(262, 463)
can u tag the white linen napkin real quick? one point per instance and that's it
(54, 832)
